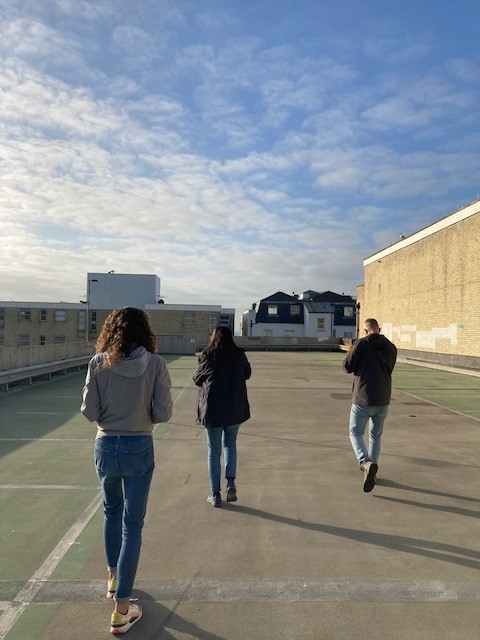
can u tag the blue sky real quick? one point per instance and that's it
(232, 147)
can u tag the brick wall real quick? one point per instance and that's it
(426, 295)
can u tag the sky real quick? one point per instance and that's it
(234, 148)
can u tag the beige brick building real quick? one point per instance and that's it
(425, 291)
(25, 324)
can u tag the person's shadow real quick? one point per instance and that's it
(417, 546)
(158, 619)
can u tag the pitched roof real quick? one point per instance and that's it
(280, 296)
(318, 307)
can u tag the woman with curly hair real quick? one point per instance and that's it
(126, 392)
(222, 406)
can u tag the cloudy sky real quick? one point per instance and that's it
(232, 147)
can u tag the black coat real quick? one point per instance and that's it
(222, 397)
(371, 360)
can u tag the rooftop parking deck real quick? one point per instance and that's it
(303, 554)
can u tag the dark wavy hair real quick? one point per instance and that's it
(123, 330)
(221, 344)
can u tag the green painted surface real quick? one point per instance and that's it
(455, 391)
(36, 519)
(32, 523)
(32, 623)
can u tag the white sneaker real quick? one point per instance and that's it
(122, 622)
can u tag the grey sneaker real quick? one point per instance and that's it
(215, 499)
(369, 474)
(231, 491)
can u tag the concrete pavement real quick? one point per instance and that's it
(304, 553)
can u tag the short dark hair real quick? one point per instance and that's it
(371, 324)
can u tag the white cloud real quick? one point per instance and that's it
(227, 155)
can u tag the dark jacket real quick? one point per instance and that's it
(371, 360)
(222, 397)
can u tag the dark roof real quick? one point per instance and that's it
(280, 296)
(330, 296)
(318, 307)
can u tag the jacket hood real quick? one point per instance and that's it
(134, 366)
(378, 341)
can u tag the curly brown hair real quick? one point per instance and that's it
(123, 330)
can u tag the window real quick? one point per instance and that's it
(272, 310)
(2, 318)
(2, 340)
(224, 321)
(213, 320)
(58, 339)
(23, 340)
(348, 312)
(81, 320)
(60, 315)
(289, 333)
(268, 333)
(43, 315)
(43, 340)
(295, 309)
(320, 324)
(93, 321)
(189, 318)
(25, 314)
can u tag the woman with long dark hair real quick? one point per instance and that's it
(222, 406)
(127, 392)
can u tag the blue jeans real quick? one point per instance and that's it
(218, 438)
(124, 467)
(359, 417)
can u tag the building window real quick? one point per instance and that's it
(213, 320)
(25, 314)
(224, 321)
(320, 324)
(2, 318)
(60, 315)
(295, 309)
(289, 333)
(2, 340)
(43, 340)
(189, 318)
(268, 333)
(272, 310)
(23, 341)
(348, 312)
(59, 340)
(82, 320)
(93, 321)
(43, 315)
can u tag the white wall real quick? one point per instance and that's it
(278, 330)
(311, 330)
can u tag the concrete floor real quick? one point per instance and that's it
(304, 553)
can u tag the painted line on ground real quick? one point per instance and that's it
(47, 486)
(27, 594)
(30, 589)
(45, 439)
(268, 591)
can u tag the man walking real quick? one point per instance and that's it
(371, 360)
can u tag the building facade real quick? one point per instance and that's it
(425, 290)
(308, 315)
(24, 324)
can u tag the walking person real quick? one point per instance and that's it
(126, 392)
(371, 360)
(222, 406)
